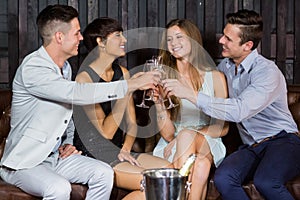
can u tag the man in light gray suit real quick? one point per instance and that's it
(39, 156)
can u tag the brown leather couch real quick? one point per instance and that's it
(232, 141)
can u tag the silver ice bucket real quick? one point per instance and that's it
(164, 184)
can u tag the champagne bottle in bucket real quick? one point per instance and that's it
(185, 169)
(165, 184)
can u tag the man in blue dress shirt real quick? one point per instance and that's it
(258, 104)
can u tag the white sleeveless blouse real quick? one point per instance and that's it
(193, 119)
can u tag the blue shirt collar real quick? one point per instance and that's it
(247, 63)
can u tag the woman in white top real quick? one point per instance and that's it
(185, 129)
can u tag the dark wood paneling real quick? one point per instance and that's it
(296, 69)
(92, 10)
(53, 2)
(113, 9)
(280, 42)
(23, 29)
(267, 20)
(124, 20)
(257, 5)
(133, 11)
(152, 13)
(191, 10)
(281, 34)
(4, 71)
(219, 16)
(13, 35)
(181, 9)
(202, 10)
(41, 5)
(142, 14)
(83, 16)
(171, 10)
(162, 13)
(247, 4)
(210, 28)
(102, 8)
(3, 31)
(32, 10)
(229, 7)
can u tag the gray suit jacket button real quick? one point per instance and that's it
(112, 96)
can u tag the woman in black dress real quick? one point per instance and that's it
(100, 125)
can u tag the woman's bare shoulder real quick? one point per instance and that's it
(83, 77)
(125, 72)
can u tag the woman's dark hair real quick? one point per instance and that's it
(250, 24)
(99, 28)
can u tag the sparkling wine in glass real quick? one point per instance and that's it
(142, 104)
(165, 75)
(150, 66)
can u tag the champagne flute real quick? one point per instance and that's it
(165, 75)
(157, 66)
(142, 104)
(152, 65)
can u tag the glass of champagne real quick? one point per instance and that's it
(165, 75)
(147, 67)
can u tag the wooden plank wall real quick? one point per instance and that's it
(281, 40)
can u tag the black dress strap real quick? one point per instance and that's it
(118, 74)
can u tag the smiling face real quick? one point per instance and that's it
(71, 38)
(231, 44)
(115, 44)
(178, 43)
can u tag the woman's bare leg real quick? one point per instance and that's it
(185, 146)
(135, 195)
(189, 142)
(201, 169)
(129, 176)
(200, 175)
(149, 161)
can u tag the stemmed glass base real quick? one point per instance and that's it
(143, 105)
(171, 104)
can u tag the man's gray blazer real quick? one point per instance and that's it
(42, 108)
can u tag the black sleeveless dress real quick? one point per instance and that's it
(87, 138)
